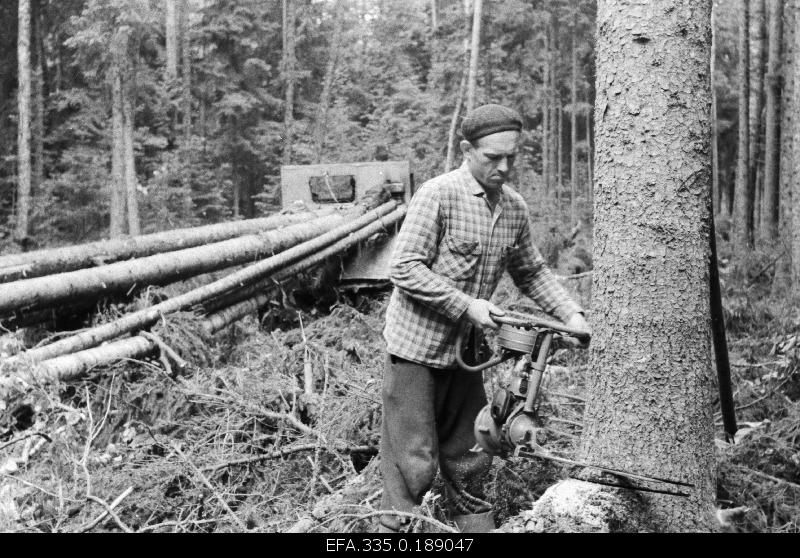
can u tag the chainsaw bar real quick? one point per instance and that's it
(522, 452)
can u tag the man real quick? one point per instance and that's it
(462, 230)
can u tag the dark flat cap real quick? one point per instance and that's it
(489, 119)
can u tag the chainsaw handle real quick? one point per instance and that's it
(496, 359)
(534, 322)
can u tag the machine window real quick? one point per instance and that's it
(339, 188)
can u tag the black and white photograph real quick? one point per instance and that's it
(400, 275)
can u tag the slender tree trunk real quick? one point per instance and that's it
(649, 388)
(289, 77)
(559, 146)
(321, 124)
(546, 111)
(38, 131)
(128, 115)
(553, 157)
(24, 126)
(716, 194)
(573, 153)
(743, 192)
(462, 90)
(769, 205)
(757, 64)
(473, 58)
(186, 59)
(434, 16)
(117, 207)
(171, 32)
(786, 171)
(589, 153)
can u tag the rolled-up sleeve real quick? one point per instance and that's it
(415, 251)
(529, 272)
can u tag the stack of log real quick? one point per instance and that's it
(262, 252)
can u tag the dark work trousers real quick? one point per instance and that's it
(428, 416)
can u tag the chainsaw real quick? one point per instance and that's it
(509, 424)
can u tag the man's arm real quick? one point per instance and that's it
(530, 273)
(416, 248)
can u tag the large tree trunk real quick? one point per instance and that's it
(716, 194)
(789, 116)
(59, 260)
(769, 206)
(756, 102)
(289, 78)
(22, 231)
(795, 183)
(743, 191)
(477, 6)
(650, 374)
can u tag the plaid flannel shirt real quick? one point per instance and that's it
(452, 249)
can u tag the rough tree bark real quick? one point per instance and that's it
(477, 6)
(795, 183)
(769, 205)
(789, 111)
(21, 230)
(743, 191)
(715, 193)
(649, 387)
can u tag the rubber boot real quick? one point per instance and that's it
(475, 522)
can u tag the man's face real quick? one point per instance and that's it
(491, 159)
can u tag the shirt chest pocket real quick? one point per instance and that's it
(458, 257)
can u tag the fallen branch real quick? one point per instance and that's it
(345, 449)
(109, 510)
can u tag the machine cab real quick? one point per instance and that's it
(341, 185)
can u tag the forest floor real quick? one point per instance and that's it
(276, 428)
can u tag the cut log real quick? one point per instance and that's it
(70, 366)
(143, 318)
(28, 265)
(262, 293)
(158, 269)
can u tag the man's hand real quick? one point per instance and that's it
(577, 321)
(480, 313)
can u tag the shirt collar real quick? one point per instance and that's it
(474, 187)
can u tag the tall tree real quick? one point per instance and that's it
(289, 76)
(37, 124)
(756, 103)
(186, 67)
(573, 157)
(795, 183)
(477, 6)
(546, 107)
(462, 89)
(769, 205)
(24, 125)
(743, 191)
(172, 42)
(117, 207)
(716, 194)
(782, 280)
(321, 124)
(649, 398)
